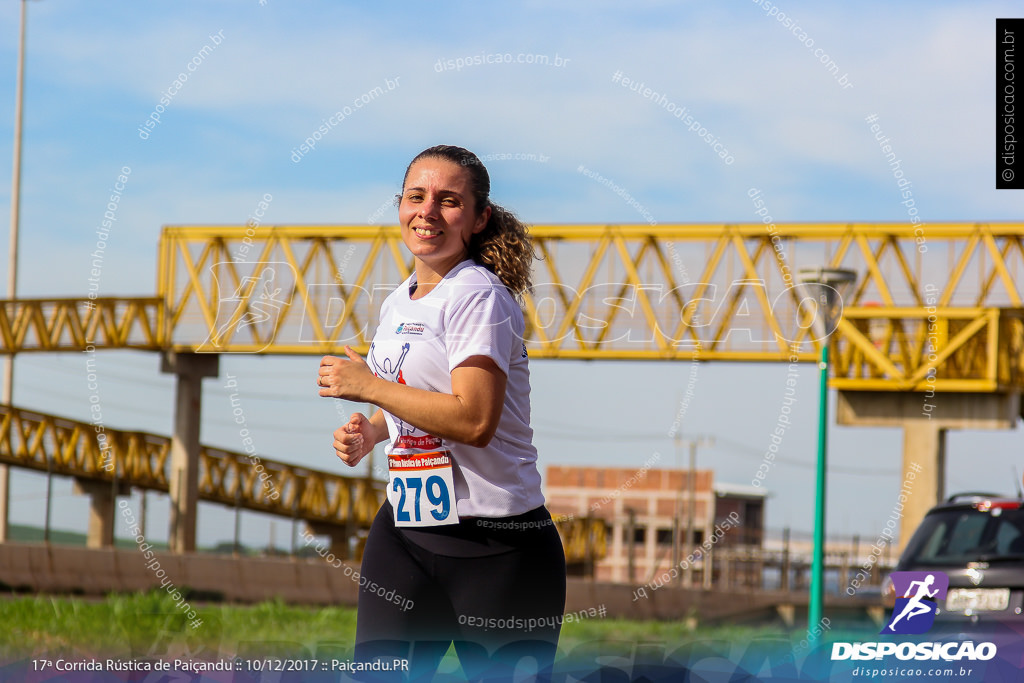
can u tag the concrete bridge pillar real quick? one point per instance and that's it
(102, 510)
(339, 536)
(925, 420)
(190, 368)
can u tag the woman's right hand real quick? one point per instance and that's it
(355, 439)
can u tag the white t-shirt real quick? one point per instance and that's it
(419, 342)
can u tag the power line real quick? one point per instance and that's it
(754, 452)
(167, 382)
(135, 409)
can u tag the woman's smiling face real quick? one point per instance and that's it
(438, 213)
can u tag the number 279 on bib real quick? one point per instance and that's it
(413, 510)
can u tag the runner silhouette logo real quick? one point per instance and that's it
(917, 598)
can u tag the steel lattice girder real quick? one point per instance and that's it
(689, 292)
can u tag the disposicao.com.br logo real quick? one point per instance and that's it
(921, 593)
(918, 595)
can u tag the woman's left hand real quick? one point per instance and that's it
(347, 379)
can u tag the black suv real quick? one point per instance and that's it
(977, 539)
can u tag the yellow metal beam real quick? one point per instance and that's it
(623, 292)
(968, 349)
(603, 292)
(77, 324)
(48, 443)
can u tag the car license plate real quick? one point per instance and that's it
(977, 599)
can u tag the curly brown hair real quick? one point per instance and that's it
(504, 246)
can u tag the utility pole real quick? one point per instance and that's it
(630, 534)
(12, 269)
(691, 480)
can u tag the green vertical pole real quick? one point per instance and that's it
(818, 560)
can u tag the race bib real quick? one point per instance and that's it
(422, 488)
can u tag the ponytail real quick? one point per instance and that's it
(504, 246)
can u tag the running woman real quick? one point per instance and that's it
(464, 536)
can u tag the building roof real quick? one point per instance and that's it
(744, 490)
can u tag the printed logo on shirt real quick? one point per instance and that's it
(390, 369)
(410, 328)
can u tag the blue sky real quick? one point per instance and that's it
(96, 72)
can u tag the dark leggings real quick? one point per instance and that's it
(500, 609)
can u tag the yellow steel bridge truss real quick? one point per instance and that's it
(938, 312)
(47, 443)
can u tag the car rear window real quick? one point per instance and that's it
(959, 536)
